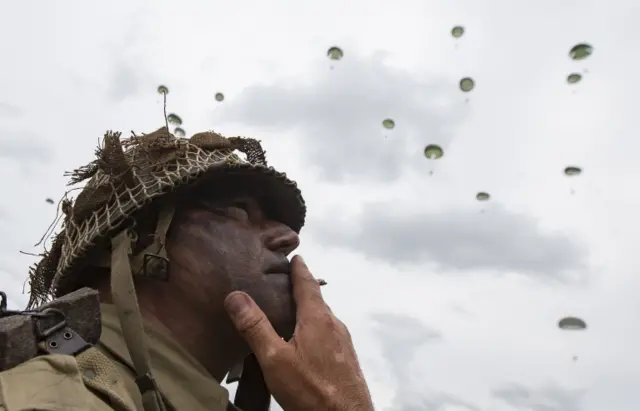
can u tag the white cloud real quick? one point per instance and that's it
(548, 398)
(72, 76)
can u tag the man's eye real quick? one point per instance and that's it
(240, 204)
(238, 209)
(215, 208)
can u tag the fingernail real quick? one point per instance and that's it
(237, 304)
(302, 261)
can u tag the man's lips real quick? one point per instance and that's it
(280, 267)
(284, 267)
(320, 281)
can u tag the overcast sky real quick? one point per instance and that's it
(453, 304)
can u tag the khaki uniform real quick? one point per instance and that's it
(102, 378)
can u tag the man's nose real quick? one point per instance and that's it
(280, 238)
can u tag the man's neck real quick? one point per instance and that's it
(200, 341)
(209, 340)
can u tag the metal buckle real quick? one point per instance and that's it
(155, 266)
(58, 338)
(146, 382)
(65, 341)
(4, 311)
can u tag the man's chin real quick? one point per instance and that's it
(280, 311)
(284, 321)
(279, 304)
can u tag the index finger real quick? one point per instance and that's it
(306, 290)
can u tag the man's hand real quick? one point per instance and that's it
(318, 368)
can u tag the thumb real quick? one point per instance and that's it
(252, 324)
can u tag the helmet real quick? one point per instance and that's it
(129, 184)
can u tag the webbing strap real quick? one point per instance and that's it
(126, 303)
(252, 393)
(157, 249)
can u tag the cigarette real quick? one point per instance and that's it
(321, 282)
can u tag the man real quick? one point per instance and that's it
(187, 244)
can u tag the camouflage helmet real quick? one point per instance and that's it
(127, 180)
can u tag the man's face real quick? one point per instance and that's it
(222, 241)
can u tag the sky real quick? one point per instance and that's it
(452, 303)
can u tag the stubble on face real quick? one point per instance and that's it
(225, 249)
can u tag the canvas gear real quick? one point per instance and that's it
(121, 217)
(68, 326)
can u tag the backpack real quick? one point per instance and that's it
(37, 345)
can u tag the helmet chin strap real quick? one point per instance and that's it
(252, 393)
(124, 298)
(153, 263)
